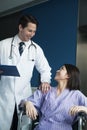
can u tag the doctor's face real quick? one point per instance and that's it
(28, 32)
(61, 74)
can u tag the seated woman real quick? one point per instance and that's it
(59, 106)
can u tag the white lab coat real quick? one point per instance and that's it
(14, 89)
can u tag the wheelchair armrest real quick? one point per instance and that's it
(82, 115)
(82, 119)
(22, 108)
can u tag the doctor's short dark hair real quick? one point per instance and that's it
(25, 19)
(74, 77)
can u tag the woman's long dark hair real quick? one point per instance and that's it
(74, 77)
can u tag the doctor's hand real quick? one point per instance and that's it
(75, 109)
(31, 110)
(45, 87)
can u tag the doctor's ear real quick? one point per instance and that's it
(20, 27)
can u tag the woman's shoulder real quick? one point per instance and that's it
(53, 88)
(39, 92)
(77, 93)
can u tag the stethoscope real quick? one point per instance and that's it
(32, 58)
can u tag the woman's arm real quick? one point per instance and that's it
(37, 98)
(82, 104)
(31, 111)
(33, 104)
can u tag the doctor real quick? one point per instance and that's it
(13, 89)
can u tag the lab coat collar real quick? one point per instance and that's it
(17, 40)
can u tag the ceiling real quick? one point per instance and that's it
(12, 6)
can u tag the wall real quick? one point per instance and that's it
(82, 59)
(57, 32)
(82, 12)
(81, 55)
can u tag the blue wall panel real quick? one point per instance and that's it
(57, 32)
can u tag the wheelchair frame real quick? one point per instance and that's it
(81, 119)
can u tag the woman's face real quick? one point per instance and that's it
(61, 74)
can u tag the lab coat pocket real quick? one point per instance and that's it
(26, 68)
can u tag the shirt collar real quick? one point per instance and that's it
(17, 40)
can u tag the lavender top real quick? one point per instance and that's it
(55, 109)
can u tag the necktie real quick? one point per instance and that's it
(21, 44)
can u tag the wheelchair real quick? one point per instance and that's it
(80, 122)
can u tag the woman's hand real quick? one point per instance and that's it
(75, 109)
(31, 110)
